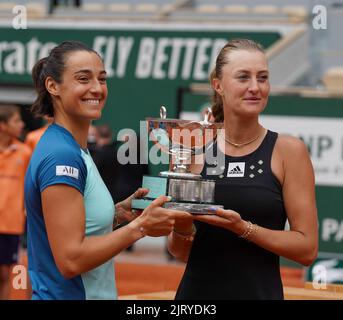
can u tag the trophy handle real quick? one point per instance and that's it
(204, 123)
(207, 114)
(163, 112)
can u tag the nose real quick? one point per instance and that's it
(96, 87)
(20, 127)
(253, 87)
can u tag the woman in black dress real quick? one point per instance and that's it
(265, 179)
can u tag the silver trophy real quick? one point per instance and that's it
(183, 141)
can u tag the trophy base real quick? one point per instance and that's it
(193, 208)
(193, 196)
(180, 175)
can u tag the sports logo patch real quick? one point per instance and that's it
(236, 170)
(67, 171)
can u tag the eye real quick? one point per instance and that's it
(243, 77)
(102, 80)
(83, 79)
(263, 78)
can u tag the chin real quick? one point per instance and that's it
(255, 109)
(94, 115)
(97, 117)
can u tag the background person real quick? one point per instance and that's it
(266, 179)
(92, 139)
(121, 179)
(14, 158)
(34, 136)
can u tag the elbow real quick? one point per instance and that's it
(68, 269)
(69, 263)
(309, 260)
(309, 257)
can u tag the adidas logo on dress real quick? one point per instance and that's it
(236, 169)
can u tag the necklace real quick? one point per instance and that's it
(240, 145)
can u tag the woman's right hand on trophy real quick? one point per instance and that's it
(156, 221)
(124, 212)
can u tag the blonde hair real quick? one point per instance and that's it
(221, 61)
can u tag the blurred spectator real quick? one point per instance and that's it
(121, 180)
(33, 137)
(14, 159)
(55, 3)
(92, 139)
(130, 175)
(105, 156)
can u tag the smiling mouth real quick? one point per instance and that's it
(252, 99)
(93, 102)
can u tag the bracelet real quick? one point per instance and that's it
(142, 231)
(186, 237)
(249, 232)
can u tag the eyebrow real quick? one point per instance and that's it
(247, 71)
(88, 71)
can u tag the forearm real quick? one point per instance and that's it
(293, 245)
(93, 251)
(180, 249)
(299, 244)
(180, 244)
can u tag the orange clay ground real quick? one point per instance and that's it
(135, 278)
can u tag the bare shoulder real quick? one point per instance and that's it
(294, 154)
(290, 146)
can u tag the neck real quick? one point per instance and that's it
(78, 129)
(5, 141)
(234, 133)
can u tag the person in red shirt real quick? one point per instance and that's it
(14, 158)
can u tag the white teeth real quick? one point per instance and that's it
(92, 101)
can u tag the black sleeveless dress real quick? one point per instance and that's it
(221, 265)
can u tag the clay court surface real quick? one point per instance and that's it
(147, 269)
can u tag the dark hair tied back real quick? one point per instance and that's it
(43, 103)
(52, 66)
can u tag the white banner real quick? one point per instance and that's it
(324, 139)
